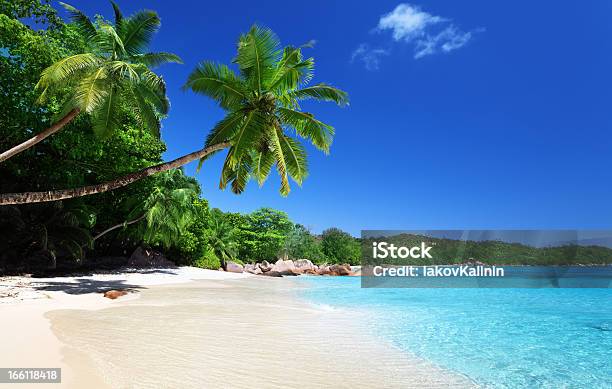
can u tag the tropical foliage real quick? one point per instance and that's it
(35, 239)
(301, 243)
(221, 238)
(262, 102)
(338, 246)
(165, 210)
(112, 70)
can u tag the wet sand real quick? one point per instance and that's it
(238, 333)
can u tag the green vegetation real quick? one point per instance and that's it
(265, 234)
(221, 238)
(339, 246)
(93, 81)
(300, 243)
(262, 104)
(111, 71)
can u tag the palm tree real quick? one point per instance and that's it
(221, 237)
(263, 112)
(114, 72)
(262, 104)
(167, 210)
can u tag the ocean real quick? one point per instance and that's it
(499, 338)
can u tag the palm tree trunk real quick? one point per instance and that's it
(55, 195)
(119, 225)
(41, 136)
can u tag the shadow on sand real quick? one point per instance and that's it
(82, 285)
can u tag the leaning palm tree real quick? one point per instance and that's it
(114, 72)
(263, 124)
(166, 212)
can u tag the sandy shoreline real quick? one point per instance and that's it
(189, 327)
(24, 302)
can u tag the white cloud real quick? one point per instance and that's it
(428, 34)
(407, 22)
(369, 56)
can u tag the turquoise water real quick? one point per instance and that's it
(501, 338)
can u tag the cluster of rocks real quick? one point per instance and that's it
(292, 268)
(146, 257)
(473, 262)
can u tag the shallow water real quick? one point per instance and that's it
(502, 338)
(250, 333)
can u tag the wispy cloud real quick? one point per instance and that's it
(409, 24)
(447, 40)
(369, 56)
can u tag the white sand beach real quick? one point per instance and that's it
(193, 328)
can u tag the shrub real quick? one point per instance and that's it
(208, 260)
(340, 247)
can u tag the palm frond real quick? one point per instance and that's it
(222, 132)
(81, 21)
(226, 171)
(91, 91)
(123, 71)
(249, 132)
(237, 174)
(241, 175)
(154, 81)
(61, 72)
(321, 92)
(281, 165)
(262, 164)
(258, 51)
(295, 158)
(159, 100)
(226, 128)
(308, 127)
(118, 14)
(105, 119)
(145, 113)
(292, 70)
(137, 31)
(108, 41)
(157, 59)
(217, 82)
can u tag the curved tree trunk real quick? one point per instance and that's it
(54, 195)
(41, 136)
(118, 226)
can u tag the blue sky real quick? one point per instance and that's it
(471, 114)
